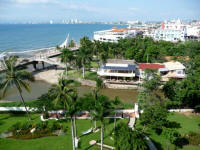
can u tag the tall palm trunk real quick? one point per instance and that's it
(101, 136)
(72, 128)
(83, 71)
(66, 69)
(115, 120)
(29, 117)
(95, 124)
(75, 132)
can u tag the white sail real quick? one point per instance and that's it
(65, 43)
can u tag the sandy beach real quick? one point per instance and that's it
(49, 76)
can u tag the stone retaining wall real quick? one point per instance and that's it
(120, 86)
(181, 110)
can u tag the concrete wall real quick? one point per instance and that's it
(120, 86)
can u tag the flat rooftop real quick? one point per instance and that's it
(121, 61)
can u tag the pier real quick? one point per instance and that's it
(40, 55)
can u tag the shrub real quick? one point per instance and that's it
(194, 138)
(46, 115)
(64, 128)
(172, 104)
(15, 127)
(41, 125)
(26, 125)
(52, 126)
(171, 134)
(197, 108)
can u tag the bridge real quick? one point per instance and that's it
(40, 55)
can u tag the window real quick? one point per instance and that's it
(179, 72)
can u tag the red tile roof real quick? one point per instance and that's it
(151, 66)
(119, 30)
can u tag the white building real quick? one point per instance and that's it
(166, 70)
(114, 34)
(169, 35)
(193, 31)
(153, 66)
(173, 31)
(173, 70)
(173, 25)
(118, 70)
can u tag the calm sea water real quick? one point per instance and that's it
(26, 37)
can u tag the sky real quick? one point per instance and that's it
(98, 10)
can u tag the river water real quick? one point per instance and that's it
(39, 87)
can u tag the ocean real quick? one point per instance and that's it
(25, 37)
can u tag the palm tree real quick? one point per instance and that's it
(104, 57)
(101, 109)
(66, 96)
(66, 57)
(85, 53)
(84, 57)
(71, 44)
(96, 48)
(116, 104)
(15, 76)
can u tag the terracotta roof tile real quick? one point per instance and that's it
(119, 30)
(151, 66)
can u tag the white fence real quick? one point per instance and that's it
(17, 109)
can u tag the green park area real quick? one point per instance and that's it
(61, 142)
(188, 123)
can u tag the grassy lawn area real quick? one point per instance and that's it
(78, 74)
(94, 64)
(55, 142)
(187, 124)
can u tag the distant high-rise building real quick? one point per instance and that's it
(51, 22)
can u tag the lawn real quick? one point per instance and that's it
(78, 74)
(52, 143)
(187, 124)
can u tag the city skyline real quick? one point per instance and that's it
(95, 10)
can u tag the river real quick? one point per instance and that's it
(39, 87)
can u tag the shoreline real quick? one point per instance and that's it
(51, 76)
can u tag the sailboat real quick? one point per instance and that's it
(65, 43)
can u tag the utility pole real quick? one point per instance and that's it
(147, 58)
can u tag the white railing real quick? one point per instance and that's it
(115, 74)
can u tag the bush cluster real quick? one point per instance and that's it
(42, 129)
(194, 138)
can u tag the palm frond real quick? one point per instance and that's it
(4, 86)
(25, 85)
(25, 75)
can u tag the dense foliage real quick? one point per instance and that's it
(145, 49)
(30, 130)
(154, 116)
(126, 138)
(187, 91)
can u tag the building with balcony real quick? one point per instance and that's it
(114, 34)
(170, 35)
(165, 70)
(118, 71)
(173, 70)
(143, 66)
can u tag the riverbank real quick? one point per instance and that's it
(51, 76)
